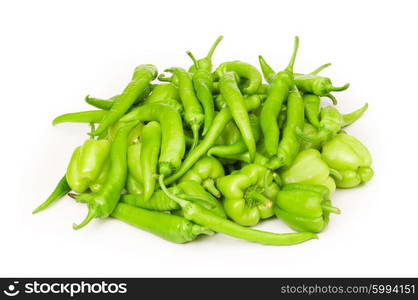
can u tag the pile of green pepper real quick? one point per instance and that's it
(216, 151)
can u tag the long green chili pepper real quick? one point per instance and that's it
(173, 143)
(101, 204)
(150, 149)
(235, 100)
(60, 191)
(141, 79)
(221, 120)
(206, 62)
(204, 217)
(312, 108)
(101, 103)
(290, 143)
(202, 82)
(242, 70)
(350, 118)
(277, 94)
(193, 113)
(239, 146)
(90, 116)
(169, 227)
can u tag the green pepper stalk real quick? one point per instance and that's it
(90, 116)
(206, 62)
(86, 164)
(350, 158)
(169, 227)
(235, 101)
(205, 171)
(331, 123)
(242, 70)
(206, 218)
(101, 204)
(220, 122)
(304, 207)
(173, 144)
(60, 191)
(309, 168)
(141, 79)
(193, 113)
(245, 200)
(277, 94)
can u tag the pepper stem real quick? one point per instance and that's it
(254, 196)
(338, 88)
(331, 209)
(319, 69)
(293, 58)
(163, 78)
(90, 216)
(195, 62)
(209, 185)
(333, 99)
(213, 48)
(163, 187)
(195, 130)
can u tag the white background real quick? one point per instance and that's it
(53, 53)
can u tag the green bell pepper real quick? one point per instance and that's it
(86, 164)
(350, 158)
(304, 207)
(309, 168)
(248, 194)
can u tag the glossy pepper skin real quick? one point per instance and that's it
(205, 172)
(246, 200)
(169, 227)
(140, 81)
(304, 207)
(350, 158)
(60, 191)
(101, 204)
(309, 168)
(86, 164)
(173, 144)
(278, 92)
(242, 70)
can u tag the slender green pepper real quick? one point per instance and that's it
(242, 70)
(150, 149)
(90, 116)
(60, 191)
(245, 201)
(219, 123)
(233, 97)
(105, 104)
(204, 217)
(239, 146)
(278, 92)
(350, 158)
(309, 168)
(317, 85)
(101, 204)
(141, 79)
(193, 113)
(290, 144)
(312, 108)
(206, 62)
(86, 164)
(169, 227)
(331, 123)
(304, 207)
(173, 143)
(134, 162)
(205, 171)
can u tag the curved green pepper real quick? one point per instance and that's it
(351, 158)
(86, 163)
(246, 200)
(242, 70)
(205, 171)
(304, 207)
(309, 168)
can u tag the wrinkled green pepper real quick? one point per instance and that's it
(304, 207)
(350, 158)
(249, 194)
